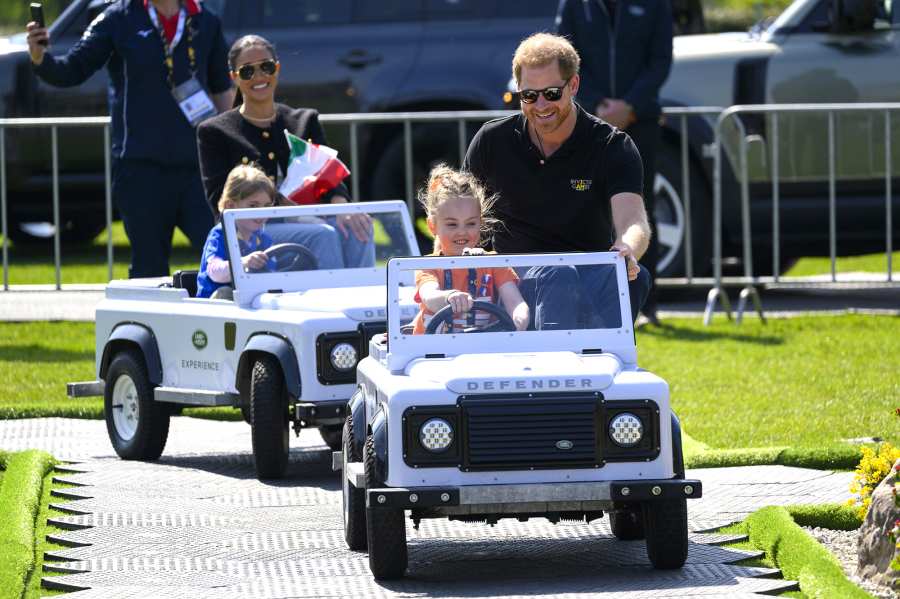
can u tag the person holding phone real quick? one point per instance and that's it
(167, 63)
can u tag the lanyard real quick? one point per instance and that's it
(473, 288)
(184, 23)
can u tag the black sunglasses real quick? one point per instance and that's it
(551, 94)
(267, 66)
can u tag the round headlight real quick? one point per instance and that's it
(626, 430)
(343, 357)
(436, 435)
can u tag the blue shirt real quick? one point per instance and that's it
(216, 247)
(147, 123)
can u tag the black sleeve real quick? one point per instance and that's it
(645, 90)
(86, 57)
(212, 147)
(624, 169)
(474, 161)
(217, 69)
(315, 132)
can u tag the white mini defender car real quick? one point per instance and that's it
(560, 424)
(284, 349)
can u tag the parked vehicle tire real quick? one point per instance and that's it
(666, 530)
(385, 529)
(331, 434)
(269, 419)
(354, 512)
(671, 215)
(138, 426)
(432, 144)
(627, 525)
(76, 230)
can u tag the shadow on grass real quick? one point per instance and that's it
(677, 333)
(40, 353)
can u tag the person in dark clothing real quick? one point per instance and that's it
(254, 133)
(162, 57)
(565, 180)
(626, 55)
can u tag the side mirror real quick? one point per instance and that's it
(847, 16)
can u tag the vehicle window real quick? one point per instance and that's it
(365, 11)
(816, 20)
(527, 8)
(293, 13)
(436, 10)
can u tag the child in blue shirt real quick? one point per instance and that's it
(246, 187)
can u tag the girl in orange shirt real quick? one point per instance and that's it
(457, 210)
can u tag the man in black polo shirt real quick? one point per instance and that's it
(566, 181)
(162, 57)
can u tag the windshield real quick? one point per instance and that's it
(541, 302)
(302, 247)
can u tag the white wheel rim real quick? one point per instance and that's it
(125, 407)
(670, 221)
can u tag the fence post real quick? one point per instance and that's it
(354, 160)
(107, 173)
(408, 168)
(686, 193)
(776, 202)
(888, 167)
(3, 225)
(832, 200)
(57, 225)
(718, 291)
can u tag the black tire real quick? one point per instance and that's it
(138, 426)
(354, 512)
(75, 231)
(331, 434)
(269, 419)
(385, 529)
(432, 144)
(666, 529)
(627, 525)
(671, 217)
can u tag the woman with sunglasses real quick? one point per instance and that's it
(253, 133)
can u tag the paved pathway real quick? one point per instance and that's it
(197, 524)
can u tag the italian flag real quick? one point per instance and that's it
(313, 170)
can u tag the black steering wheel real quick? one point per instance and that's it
(445, 316)
(291, 257)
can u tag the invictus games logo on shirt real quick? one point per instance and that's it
(199, 339)
(581, 184)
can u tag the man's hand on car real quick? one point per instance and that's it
(630, 261)
(460, 300)
(360, 224)
(617, 113)
(36, 35)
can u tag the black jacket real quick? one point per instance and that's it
(228, 140)
(628, 59)
(147, 124)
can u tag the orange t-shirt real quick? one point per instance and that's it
(487, 282)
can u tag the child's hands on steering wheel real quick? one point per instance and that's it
(460, 300)
(254, 261)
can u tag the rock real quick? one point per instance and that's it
(875, 549)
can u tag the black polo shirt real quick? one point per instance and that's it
(558, 204)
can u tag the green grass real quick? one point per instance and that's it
(841, 456)
(33, 264)
(806, 267)
(20, 504)
(798, 382)
(804, 383)
(777, 532)
(798, 555)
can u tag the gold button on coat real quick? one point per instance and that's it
(245, 160)
(265, 134)
(271, 155)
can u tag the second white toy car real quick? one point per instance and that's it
(282, 345)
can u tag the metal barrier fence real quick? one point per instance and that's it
(716, 118)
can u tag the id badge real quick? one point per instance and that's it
(194, 102)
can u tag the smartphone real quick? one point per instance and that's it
(37, 15)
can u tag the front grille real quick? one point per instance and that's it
(527, 432)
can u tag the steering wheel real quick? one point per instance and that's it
(291, 257)
(445, 316)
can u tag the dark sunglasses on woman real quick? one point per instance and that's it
(268, 67)
(551, 94)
